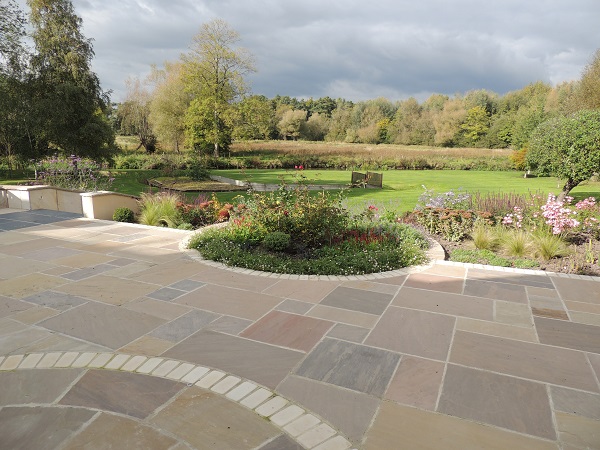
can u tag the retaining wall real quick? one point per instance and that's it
(94, 205)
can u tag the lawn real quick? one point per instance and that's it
(402, 188)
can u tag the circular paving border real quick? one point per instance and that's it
(304, 427)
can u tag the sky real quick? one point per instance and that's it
(355, 49)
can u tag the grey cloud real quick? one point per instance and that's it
(351, 49)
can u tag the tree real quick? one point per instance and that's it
(589, 85)
(340, 123)
(68, 102)
(13, 89)
(215, 72)
(134, 113)
(567, 148)
(291, 123)
(476, 124)
(315, 128)
(412, 124)
(254, 118)
(12, 32)
(168, 104)
(447, 122)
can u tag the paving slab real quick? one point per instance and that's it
(352, 366)
(102, 324)
(263, 363)
(40, 427)
(112, 431)
(416, 428)
(224, 424)
(288, 330)
(418, 333)
(352, 412)
(499, 400)
(448, 356)
(121, 392)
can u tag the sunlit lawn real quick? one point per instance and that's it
(401, 188)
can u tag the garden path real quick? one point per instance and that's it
(112, 335)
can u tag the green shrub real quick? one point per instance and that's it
(344, 258)
(185, 226)
(123, 215)
(313, 220)
(277, 241)
(453, 224)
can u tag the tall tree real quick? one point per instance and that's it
(589, 85)
(215, 69)
(134, 113)
(12, 31)
(13, 92)
(168, 104)
(69, 103)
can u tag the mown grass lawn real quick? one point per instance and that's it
(402, 188)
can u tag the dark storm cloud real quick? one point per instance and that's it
(355, 49)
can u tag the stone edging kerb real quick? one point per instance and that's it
(302, 426)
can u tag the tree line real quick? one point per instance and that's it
(163, 109)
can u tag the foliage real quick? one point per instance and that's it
(168, 104)
(502, 204)
(68, 103)
(483, 237)
(12, 32)
(453, 224)
(548, 246)
(277, 241)
(450, 199)
(588, 92)
(134, 114)
(567, 148)
(346, 257)
(203, 212)
(123, 214)
(214, 72)
(254, 118)
(519, 158)
(476, 123)
(516, 243)
(291, 124)
(490, 258)
(159, 210)
(74, 172)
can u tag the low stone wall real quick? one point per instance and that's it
(94, 205)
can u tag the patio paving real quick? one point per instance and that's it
(113, 337)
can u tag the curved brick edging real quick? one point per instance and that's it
(304, 427)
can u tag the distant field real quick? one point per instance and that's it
(384, 151)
